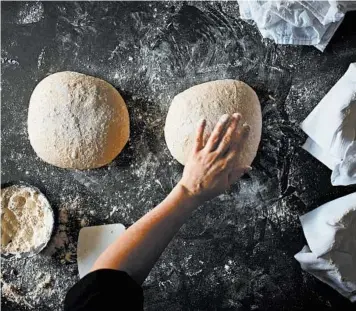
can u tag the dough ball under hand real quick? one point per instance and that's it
(77, 121)
(210, 101)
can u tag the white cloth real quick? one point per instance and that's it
(330, 256)
(331, 128)
(296, 22)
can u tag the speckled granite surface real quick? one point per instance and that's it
(236, 252)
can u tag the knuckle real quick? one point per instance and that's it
(200, 156)
(215, 139)
(226, 139)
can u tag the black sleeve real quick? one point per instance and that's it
(105, 290)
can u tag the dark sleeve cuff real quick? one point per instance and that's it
(107, 290)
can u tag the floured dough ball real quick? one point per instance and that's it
(77, 121)
(210, 101)
(26, 221)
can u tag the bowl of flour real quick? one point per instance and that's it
(27, 221)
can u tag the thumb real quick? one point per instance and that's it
(238, 173)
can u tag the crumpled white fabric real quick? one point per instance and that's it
(331, 128)
(331, 252)
(296, 22)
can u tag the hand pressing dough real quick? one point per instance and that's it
(77, 121)
(210, 101)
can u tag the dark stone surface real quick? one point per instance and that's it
(236, 252)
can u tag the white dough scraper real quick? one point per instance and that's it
(92, 242)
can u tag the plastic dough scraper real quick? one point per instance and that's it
(92, 242)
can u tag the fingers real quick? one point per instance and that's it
(229, 135)
(217, 133)
(239, 141)
(199, 137)
(242, 135)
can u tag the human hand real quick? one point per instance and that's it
(211, 168)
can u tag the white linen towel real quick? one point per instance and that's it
(330, 256)
(331, 128)
(296, 22)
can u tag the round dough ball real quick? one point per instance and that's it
(77, 121)
(210, 101)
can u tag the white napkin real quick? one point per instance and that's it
(296, 22)
(330, 256)
(331, 128)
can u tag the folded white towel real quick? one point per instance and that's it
(330, 256)
(296, 22)
(331, 128)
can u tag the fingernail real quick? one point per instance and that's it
(202, 121)
(224, 118)
(237, 115)
(247, 128)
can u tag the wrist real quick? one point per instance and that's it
(188, 198)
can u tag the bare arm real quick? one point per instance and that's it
(209, 171)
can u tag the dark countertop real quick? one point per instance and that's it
(236, 252)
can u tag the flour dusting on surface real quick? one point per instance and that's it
(30, 12)
(235, 252)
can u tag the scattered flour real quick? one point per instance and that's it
(14, 294)
(30, 282)
(29, 13)
(61, 243)
(43, 288)
(40, 58)
(9, 61)
(114, 210)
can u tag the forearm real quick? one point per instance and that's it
(137, 250)
(209, 171)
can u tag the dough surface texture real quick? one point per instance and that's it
(210, 100)
(77, 121)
